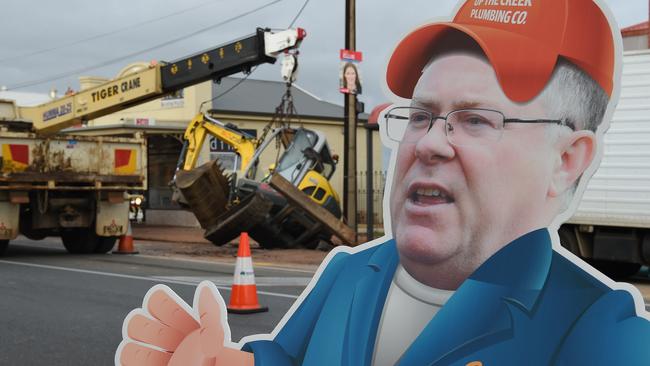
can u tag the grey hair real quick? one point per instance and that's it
(572, 95)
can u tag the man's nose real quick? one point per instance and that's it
(434, 146)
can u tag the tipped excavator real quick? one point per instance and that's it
(227, 204)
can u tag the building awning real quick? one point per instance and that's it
(374, 115)
(126, 128)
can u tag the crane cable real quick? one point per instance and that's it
(284, 112)
(295, 18)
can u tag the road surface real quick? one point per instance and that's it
(61, 309)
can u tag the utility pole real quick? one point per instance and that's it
(350, 129)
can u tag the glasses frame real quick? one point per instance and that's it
(434, 118)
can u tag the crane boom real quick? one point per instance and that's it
(161, 79)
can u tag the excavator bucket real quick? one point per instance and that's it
(205, 190)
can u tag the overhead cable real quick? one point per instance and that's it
(299, 13)
(125, 57)
(103, 35)
(252, 70)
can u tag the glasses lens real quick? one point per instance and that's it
(407, 124)
(474, 126)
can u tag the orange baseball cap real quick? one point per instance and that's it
(522, 39)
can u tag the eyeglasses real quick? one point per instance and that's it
(462, 127)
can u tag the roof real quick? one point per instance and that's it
(635, 30)
(262, 96)
(374, 115)
(123, 128)
(25, 99)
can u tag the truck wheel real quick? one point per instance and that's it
(79, 241)
(35, 235)
(3, 247)
(568, 240)
(616, 270)
(105, 244)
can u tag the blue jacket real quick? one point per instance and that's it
(526, 305)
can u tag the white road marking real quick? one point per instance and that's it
(152, 279)
(227, 280)
(257, 264)
(186, 280)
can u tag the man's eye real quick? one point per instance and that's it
(419, 120)
(476, 121)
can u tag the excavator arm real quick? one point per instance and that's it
(203, 125)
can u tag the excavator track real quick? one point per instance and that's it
(241, 217)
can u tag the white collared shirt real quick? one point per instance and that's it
(409, 307)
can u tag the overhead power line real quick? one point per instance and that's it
(103, 35)
(231, 88)
(255, 68)
(299, 13)
(125, 57)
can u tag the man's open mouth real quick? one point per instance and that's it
(430, 196)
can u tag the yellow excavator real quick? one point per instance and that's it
(227, 204)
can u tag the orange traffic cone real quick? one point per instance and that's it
(126, 243)
(243, 297)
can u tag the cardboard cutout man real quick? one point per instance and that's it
(507, 102)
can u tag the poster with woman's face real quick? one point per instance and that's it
(349, 78)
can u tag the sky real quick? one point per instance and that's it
(43, 40)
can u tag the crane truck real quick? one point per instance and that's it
(78, 187)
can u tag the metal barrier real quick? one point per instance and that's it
(378, 184)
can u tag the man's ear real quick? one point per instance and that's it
(575, 154)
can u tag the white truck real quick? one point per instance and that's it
(74, 187)
(78, 188)
(611, 227)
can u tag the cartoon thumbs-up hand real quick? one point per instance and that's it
(166, 331)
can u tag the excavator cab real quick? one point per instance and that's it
(306, 162)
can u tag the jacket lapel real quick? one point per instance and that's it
(368, 302)
(481, 312)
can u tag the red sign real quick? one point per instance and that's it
(351, 55)
(19, 153)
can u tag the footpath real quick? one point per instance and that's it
(188, 243)
(169, 234)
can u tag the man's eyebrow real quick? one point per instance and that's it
(435, 106)
(426, 104)
(465, 104)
